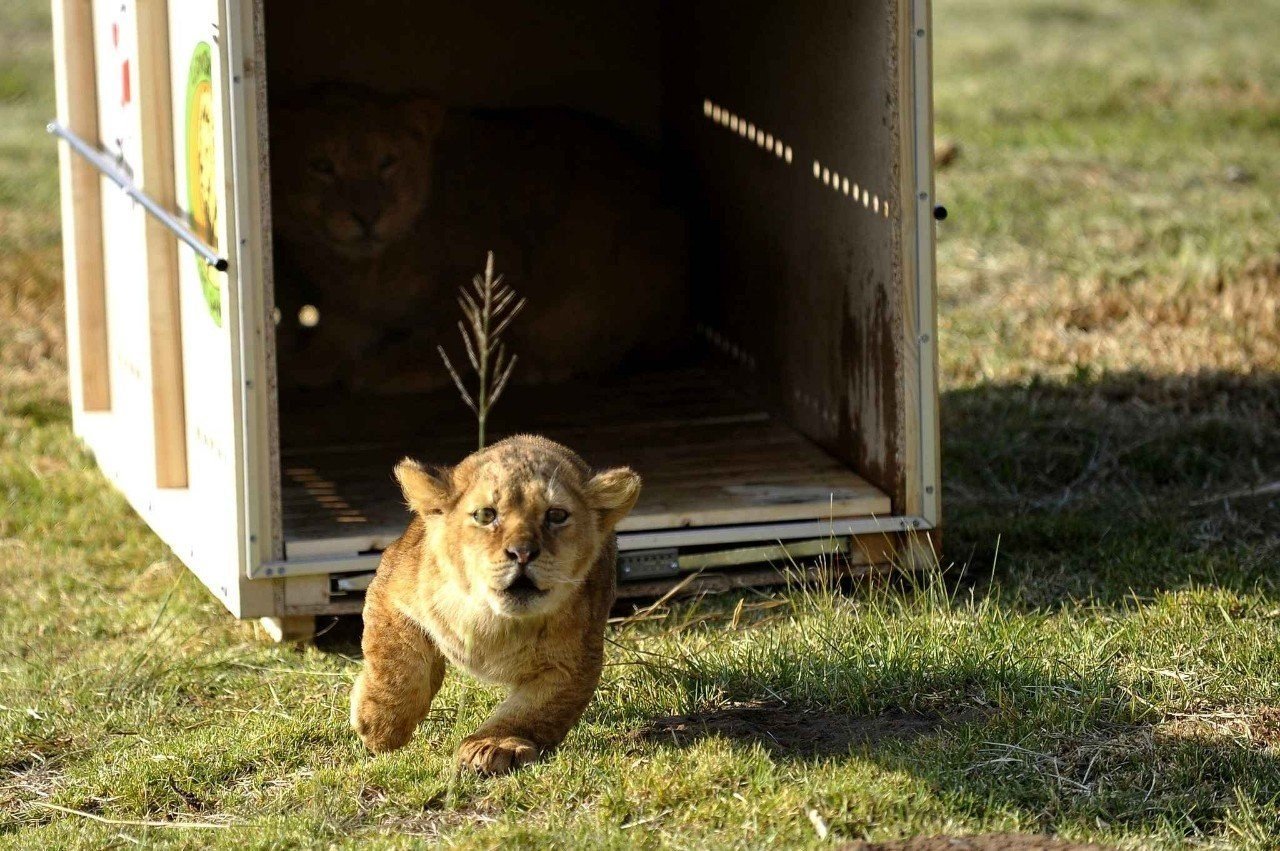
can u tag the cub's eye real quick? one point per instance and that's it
(323, 166)
(557, 516)
(387, 164)
(484, 516)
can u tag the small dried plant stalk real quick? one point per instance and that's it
(488, 307)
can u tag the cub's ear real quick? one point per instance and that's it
(613, 493)
(424, 116)
(424, 492)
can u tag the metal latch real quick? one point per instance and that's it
(648, 564)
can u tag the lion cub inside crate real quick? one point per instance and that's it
(384, 206)
(507, 570)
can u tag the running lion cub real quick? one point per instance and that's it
(507, 571)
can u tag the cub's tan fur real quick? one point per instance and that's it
(385, 205)
(519, 599)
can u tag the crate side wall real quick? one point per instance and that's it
(790, 119)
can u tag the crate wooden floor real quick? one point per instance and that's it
(708, 455)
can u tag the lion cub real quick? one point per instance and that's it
(384, 205)
(507, 571)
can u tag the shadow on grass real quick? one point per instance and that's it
(1057, 764)
(1103, 488)
(788, 732)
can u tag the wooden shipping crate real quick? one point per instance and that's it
(805, 418)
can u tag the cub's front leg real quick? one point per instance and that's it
(403, 670)
(535, 717)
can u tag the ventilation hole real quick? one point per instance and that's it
(875, 204)
(826, 176)
(751, 132)
(768, 141)
(846, 186)
(886, 208)
(733, 123)
(309, 316)
(706, 108)
(866, 198)
(787, 156)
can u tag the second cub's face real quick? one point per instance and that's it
(352, 173)
(521, 524)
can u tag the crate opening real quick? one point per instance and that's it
(776, 396)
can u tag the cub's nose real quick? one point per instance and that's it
(523, 552)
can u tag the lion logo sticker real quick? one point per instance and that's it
(202, 170)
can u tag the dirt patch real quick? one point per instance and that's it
(984, 842)
(1256, 728)
(24, 778)
(790, 731)
(1264, 728)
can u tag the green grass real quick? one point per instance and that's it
(1103, 662)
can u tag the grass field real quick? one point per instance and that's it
(1103, 664)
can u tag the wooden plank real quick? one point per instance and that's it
(155, 108)
(751, 452)
(659, 510)
(81, 197)
(777, 553)
(711, 509)
(927, 435)
(909, 221)
(289, 628)
(867, 555)
(261, 410)
(915, 152)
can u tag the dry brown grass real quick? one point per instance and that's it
(32, 334)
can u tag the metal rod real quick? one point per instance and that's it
(108, 167)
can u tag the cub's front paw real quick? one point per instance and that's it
(382, 735)
(379, 726)
(495, 754)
